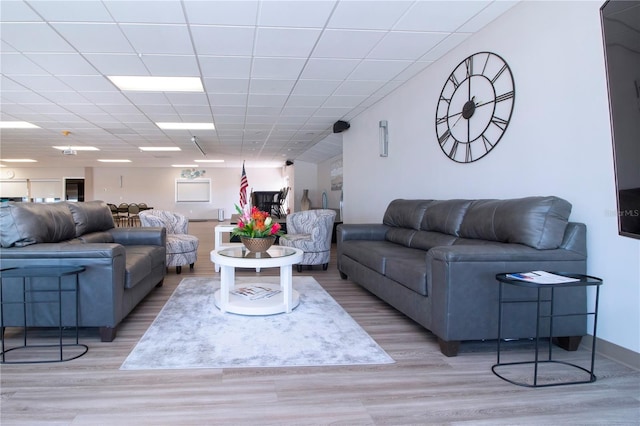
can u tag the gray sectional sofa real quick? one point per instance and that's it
(436, 261)
(122, 264)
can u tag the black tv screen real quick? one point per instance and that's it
(621, 36)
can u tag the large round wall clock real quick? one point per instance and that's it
(475, 107)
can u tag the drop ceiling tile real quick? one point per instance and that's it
(67, 97)
(334, 112)
(271, 86)
(223, 41)
(405, 45)
(412, 70)
(266, 100)
(16, 63)
(486, 15)
(447, 44)
(329, 69)
(222, 12)
(166, 11)
(225, 66)
(41, 83)
(343, 101)
(299, 111)
(171, 65)
(228, 110)
(285, 42)
(357, 87)
(226, 85)
(299, 14)
(17, 11)
(368, 15)
(278, 68)
(63, 63)
(226, 99)
(89, 11)
(346, 43)
(92, 83)
(316, 87)
(202, 110)
(146, 98)
(178, 98)
(378, 69)
(95, 38)
(305, 101)
(41, 38)
(264, 110)
(160, 39)
(439, 15)
(117, 64)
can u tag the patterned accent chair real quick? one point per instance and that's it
(310, 231)
(182, 249)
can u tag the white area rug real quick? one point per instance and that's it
(190, 332)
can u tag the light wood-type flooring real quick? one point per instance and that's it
(423, 386)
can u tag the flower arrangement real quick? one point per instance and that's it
(254, 223)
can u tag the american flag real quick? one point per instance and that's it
(244, 184)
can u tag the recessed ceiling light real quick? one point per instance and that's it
(186, 126)
(76, 148)
(115, 161)
(184, 165)
(209, 161)
(18, 160)
(157, 84)
(159, 148)
(17, 125)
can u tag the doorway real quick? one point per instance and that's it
(74, 189)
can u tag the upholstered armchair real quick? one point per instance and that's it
(310, 231)
(182, 248)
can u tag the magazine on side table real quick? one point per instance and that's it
(254, 292)
(541, 277)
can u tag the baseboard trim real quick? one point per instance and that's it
(612, 351)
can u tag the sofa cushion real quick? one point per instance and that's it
(426, 240)
(401, 236)
(445, 216)
(538, 222)
(405, 213)
(96, 237)
(22, 224)
(141, 260)
(369, 253)
(409, 268)
(91, 216)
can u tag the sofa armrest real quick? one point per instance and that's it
(139, 236)
(464, 292)
(361, 231)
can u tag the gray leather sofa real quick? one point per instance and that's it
(122, 264)
(436, 262)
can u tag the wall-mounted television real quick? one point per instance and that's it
(621, 36)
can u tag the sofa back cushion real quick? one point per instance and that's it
(538, 222)
(91, 216)
(22, 224)
(405, 213)
(445, 216)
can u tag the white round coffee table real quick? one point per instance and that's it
(256, 298)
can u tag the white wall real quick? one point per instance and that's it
(306, 177)
(558, 143)
(156, 186)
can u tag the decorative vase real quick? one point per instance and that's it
(258, 245)
(305, 203)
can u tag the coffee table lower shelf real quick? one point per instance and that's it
(265, 306)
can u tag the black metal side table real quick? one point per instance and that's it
(40, 293)
(582, 281)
